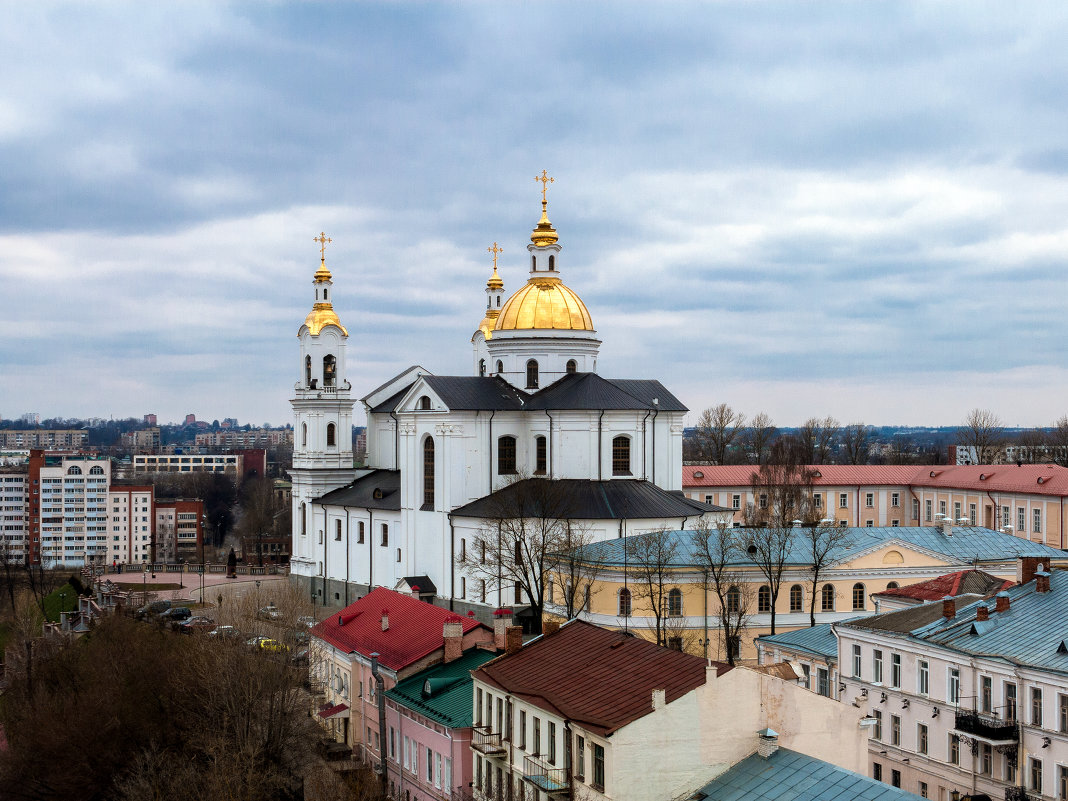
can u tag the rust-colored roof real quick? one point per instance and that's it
(599, 678)
(974, 582)
(780, 670)
(1034, 479)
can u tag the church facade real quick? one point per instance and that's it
(443, 452)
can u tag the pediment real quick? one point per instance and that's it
(421, 398)
(892, 554)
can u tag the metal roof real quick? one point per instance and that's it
(591, 392)
(449, 701)
(379, 489)
(818, 640)
(789, 776)
(390, 403)
(975, 582)
(476, 392)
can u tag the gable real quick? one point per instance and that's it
(412, 400)
(893, 555)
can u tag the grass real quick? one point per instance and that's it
(64, 599)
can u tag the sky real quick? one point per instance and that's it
(808, 209)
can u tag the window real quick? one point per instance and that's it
(895, 670)
(532, 374)
(877, 771)
(1036, 774)
(428, 474)
(953, 691)
(552, 262)
(869, 499)
(337, 531)
(956, 512)
(927, 516)
(895, 730)
(522, 728)
(921, 738)
(621, 456)
(843, 500)
(817, 500)
(429, 766)
(307, 372)
(506, 456)
(359, 531)
(580, 757)
(764, 598)
(398, 554)
(923, 677)
(807, 670)
(571, 367)
(674, 602)
(424, 403)
(858, 596)
(500, 366)
(329, 370)
(734, 600)
(877, 729)
(986, 759)
(954, 749)
(986, 694)
(552, 743)
(624, 602)
(1010, 700)
(823, 682)
(1021, 519)
(598, 767)
(540, 456)
(895, 499)
(877, 666)
(1036, 706)
(1037, 521)
(971, 513)
(895, 777)
(856, 661)
(942, 508)
(304, 434)
(763, 500)
(537, 736)
(1062, 781)
(482, 367)
(385, 534)
(736, 501)
(923, 790)
(303, 518)
(463, 587)
(916, 508)
(796, 598)
(1062, 709)
(827, 598)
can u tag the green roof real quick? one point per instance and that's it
(449, 699)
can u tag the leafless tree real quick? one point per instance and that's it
(782, 488)
(821, 543)
(984, 431)
(716, 430)
(575, 575)
(817, 438)
(718, 551)
(769, 549)
(758, 437)
(651, 564)
(856, 437)
(1058, 440)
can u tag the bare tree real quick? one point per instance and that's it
(1032, 446)
(769, 549)
(1058, 440)
(817, 438)
(651, 564)
(856, 437)
(782, 488)
(717, 428)
(718, 552)
(984, 431)
(758, 437)
(574, 573)
(821, 543)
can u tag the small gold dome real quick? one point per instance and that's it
(545, 302)
(495, 281)
(544, 233)
(322, 315)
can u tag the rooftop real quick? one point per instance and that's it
(443, 692)
(974, 582)
(816, 640)
(379, 489)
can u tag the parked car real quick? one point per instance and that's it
(175, 614)
(196, 625)
(306, 620)
(152, 609)
(267, 644)
(269, 613)
(225, 632)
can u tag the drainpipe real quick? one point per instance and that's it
(348, 525)
(551, 448)
(568, 758)
(489, 475)
(370, 550)
(645, 473)
(601, 415)
(380, 691)
(704, 575)
(452, 561)
(656, 411)
(326, 553)
(396, 440)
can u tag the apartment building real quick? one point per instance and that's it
(44, 438)
(256, 438)
(67, 509)
(14, 501)
(229, 463)
(131, 524)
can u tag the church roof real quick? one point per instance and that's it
(476, 392)
(379, 489)
(590, 391)
(628, 499)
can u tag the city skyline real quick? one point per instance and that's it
(809, 210)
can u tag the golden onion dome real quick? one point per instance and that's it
(322, 274)
(322, 315)
(495, 281)
(544, 233)
(544, 303)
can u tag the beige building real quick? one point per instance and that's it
(231, 463)
(44, 438)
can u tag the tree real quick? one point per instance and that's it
(717, 552)
(758, 437)
(821, 543)
(782, 488)
(769, 548)
(574, 575)
(816, 438)
(258, 507)
(1033, 446)
(856, 438)
(1058, 440)
(983, 431)
(717, 428)
(651, 564)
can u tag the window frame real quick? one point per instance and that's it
(506, 455)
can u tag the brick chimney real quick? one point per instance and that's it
(1026, 567)
(1001, 602)
(502, 619)
(946, 524)
(659, 699)
(949, 607)
(767, 742)
(549, 627)
(385, 620)
(1041, 580)
(513, 639)
(415, 591)
(982, 613)
(453, 635)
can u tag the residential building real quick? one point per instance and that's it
(242, 440)
(1026, 500)
(229, 463)
(44, 439)
(179, 531)
(14, 505)
(67, 508)
(146, 440)
(815, 649)
(131, 524)
(962, 582)
(968, 695)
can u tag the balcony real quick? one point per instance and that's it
(487, 742)
(547, 779)
(1021, 794)
(988, 727)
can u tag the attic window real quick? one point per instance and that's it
(698, 474)
(1063, 647)
(426, 689)
(817, 474)
(424, 403)
(1041, 480)
(982, 476)
(377, 494)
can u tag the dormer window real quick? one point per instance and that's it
(424, 404)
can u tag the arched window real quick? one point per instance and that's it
(97, 470)
(337, 531)
(307, 371)
(621, 456)
(303, 518)
(796, 598)
(534, 262)
(532, 374)
(858, 596)
(506, 456)
(498, 301)
(764, 598)
(734, 600)
(500, 366)
(674, 603)
(424, 403)
(572, 367)
(540, 456)
(827, 598)
(304, 434)
(428, 474)
(326, 293)
(331, 435)
(359, 531)
(74, 470)
(892, 585)
(482, 367)
(552, 262)
(329, 370)
(624, 602)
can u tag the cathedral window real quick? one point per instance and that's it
(506, 456)
(498, 301)
(532, 374)
(326, 293)
(674, 602)
(500, 366)
(329, 370)
(463, 549)
(428, 474)
(359, 531)
(482, 367)
(331, 435)
(572, 367)
(540, 459)
(337, 531)
(303, 519)
(621, 456)
(463, 587)
(307, 371)
(424, 403)
(552, 263)
(385, 534)
(624, 602)
(534, 262)
(304, 434)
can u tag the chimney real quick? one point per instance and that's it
(659, 699)
(767, 742)
(1041, 579)
(946, 524)
(549, 627)
(502, 619)
(513, 639)
(385, 620)
(453, 635)
(1026, 567)
(949, 608)
(1001, 602)
(982, 613)
(415, 591)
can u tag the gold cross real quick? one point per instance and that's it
(545, 181)
(322, 239)
(495, 250)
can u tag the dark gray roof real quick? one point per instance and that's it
(390, 403)
(380, 387)
(476, 392)
(424, 584)
(790, 776)
(379, 489)
(590, 391)
(646, 390)
(629, 499)
(905, 620)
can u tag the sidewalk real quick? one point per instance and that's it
(213, 583)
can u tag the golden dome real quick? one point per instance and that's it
(544, 233)
(322, 315)
(545, 302)
(495, 281)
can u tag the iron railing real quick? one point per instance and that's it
(989, 727)
(486, 742)
(545, 778)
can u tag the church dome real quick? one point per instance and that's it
(322, 315)
(544, 303)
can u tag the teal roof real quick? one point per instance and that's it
(449, 702)
(790, 776)
(817, 640)
(967, 545)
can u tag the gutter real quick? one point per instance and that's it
(656, 411)
(380, 689)
(644, 450)
(600, 455)
(396, 440)
(551, 448)
(452, 561)
(370, 549)
(489, 487)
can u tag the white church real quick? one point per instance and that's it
(442, 450)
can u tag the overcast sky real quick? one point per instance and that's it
(855, 209)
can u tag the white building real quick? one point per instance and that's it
(437, 446)
(68, 501)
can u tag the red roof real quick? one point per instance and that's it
(952, 584)
(601, 678)
(330, 710)
(415, 628)
(1035, 479)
